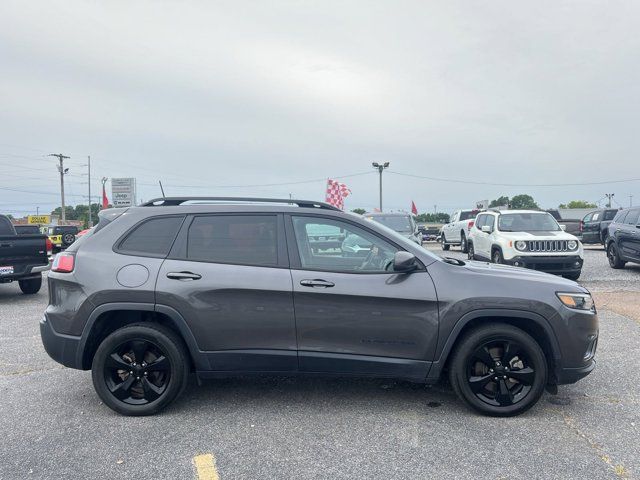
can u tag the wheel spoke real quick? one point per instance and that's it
(525, 376)
(510, 351)
(159, 364)
(139, 347)
(122, 390)
(504, 396)
(151, 391)
(477, 383)
(484, 356)
(116, 362)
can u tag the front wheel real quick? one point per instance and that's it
(443, 243)
(498, 370)
(31, 286)
(496, 256)
(614, 257)
(140, 369)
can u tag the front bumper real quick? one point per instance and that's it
(565, 376)
(64, 349)
(559, 264)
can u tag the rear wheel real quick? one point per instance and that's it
(470, 251)
(30, 286)
(614, 257)
(140, 369)
(463, 243)
(498, 370)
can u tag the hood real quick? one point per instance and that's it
(560, 235)
(520, 274)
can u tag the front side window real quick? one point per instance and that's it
(354, 250)
(480, 221)
(632, 217)
(237, 239)
(489, 221)
(620, 217)
(527, 222)
(596, 216)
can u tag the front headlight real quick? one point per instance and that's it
(572, 244)
(521, 245)
(577, 301)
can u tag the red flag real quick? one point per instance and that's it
(414, 209)
(105, 200)
(336, 193)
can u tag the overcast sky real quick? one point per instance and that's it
(203, 95)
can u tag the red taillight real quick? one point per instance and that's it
(63, 263)
(49, 245)
(470, 224)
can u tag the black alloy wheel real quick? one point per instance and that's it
(139, 369)
(614, 257)
(499, 370)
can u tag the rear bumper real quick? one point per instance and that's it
(62, 348)
(31, 271)
(560, 264)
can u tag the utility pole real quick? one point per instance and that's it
(630, 200)
(609, 197)
(89, 183)
(63, 171)
(380, 167)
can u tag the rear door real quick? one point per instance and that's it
(629, 235)
(228, 276)
(353, 314)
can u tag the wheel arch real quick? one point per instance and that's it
(107, 318)
(530, 322)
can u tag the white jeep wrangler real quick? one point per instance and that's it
(525, 238)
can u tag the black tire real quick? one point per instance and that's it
(488, 354)
(604, 236)
(144, 389)
(31, 286)
(471, 254)
(614, 257)
(496, 256)
(68, 239)
(443, 244)
(573, 276)
(464, 248)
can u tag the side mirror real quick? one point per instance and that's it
(563, 227)
(404, 262)
(486, 229)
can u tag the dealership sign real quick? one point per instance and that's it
(123, 192)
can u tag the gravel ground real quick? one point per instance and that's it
(54, 426)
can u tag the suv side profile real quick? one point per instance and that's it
(623, 239)
(222, 287)
(526, 238)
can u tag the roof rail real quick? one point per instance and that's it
(175, 201)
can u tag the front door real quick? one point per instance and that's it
(353, 314)
(228, 276)
(629, 235)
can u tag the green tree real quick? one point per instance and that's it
(577, 204)
(439, 217)
(502, 201)
(523, 201)
(359, 211)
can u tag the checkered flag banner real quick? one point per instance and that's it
(336, 193)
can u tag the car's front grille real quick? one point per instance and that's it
(548, 246)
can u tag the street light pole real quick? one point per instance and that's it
(380, 167)
(63, 171)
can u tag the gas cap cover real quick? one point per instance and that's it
(132, 276)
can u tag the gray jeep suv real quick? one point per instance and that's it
(223, 286)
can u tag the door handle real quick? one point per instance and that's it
(316, 283)
(183, 276)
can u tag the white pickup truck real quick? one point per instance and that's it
(456, 232)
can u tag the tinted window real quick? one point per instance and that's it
(5, 226)
(239, 239)
(398, 223)
(27, 229)
(596, 216)
(632, 217)
(469, 215)
(356, 250)
(152, 237)
(587, 217)
(621, 216)
(609, 214)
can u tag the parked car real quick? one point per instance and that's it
(403, 223)
(23, 257)
(456, 232)
(220, 289)
(623, 239)
(595, 226)
(526, 238)
(570, 225)
(62, 236)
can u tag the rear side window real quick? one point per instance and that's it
(152, 237)
(632, 217)
(235, 239)
(609, 214)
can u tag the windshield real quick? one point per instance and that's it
(527, 222)
(395, 222)
(402, 240)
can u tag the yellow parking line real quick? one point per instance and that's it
(206, 467)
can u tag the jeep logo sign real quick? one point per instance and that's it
(123, 192)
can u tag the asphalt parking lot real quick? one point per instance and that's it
(54, 426)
